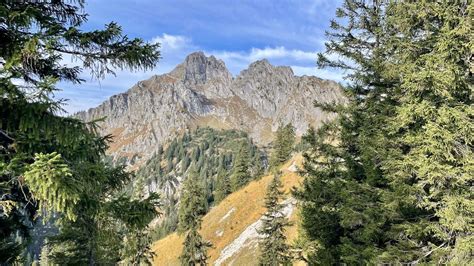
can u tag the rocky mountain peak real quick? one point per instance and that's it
(262, 63)
(201, 92)
(262, 69)
(198, 69)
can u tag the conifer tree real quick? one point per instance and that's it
(342, 194)
(47, 159)
(382, 185)
(309, 138)
(44, 255)
(192, 208)
(431, 159)
(192, 203)
(185, 162)
(196, 153)
(223, 186)
(283, 145)
(273, 247)
(195, 248)
(240, 168)
(258, 166)
(170, 151)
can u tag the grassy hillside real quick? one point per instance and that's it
(225, 222)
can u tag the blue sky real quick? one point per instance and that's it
(286, 32)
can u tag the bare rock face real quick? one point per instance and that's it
(202, 92)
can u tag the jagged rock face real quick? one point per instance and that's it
(202, 92)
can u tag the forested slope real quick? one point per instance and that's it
(230, 226)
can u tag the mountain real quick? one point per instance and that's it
(202, 92)
(164, 124)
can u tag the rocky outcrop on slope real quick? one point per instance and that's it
(250, 237)
(202, 92)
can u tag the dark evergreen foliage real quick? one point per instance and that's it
(274, 249)
(49, 162)
(191, 209)
(381, 184)
(240, 168)
(192, 203)
(194, 249)
(223, 186)
(283, 145)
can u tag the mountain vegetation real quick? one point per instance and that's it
(274, 248)
(240, 169)
(208, 165)
(191, 209)
(232, 225)
(51, 164)
(283, 145)
(217, 158)
(390, 180)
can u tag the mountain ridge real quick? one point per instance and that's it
(202, 92)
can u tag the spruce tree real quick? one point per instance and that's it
(283, 145)
(191, 209)
(223, 186)
(195, 248)
(185, 162)
(342, 196)
(240, 168)
(431, 159)
(258, 166)
(44, 255)
(47, 159)
(273, 247)
(192, 203)
(382, 185)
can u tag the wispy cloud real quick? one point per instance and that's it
(172, 42)
(268, 53)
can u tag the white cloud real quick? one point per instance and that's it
(172, 42)
(279, 52)
(282, 52)
(302, 62)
